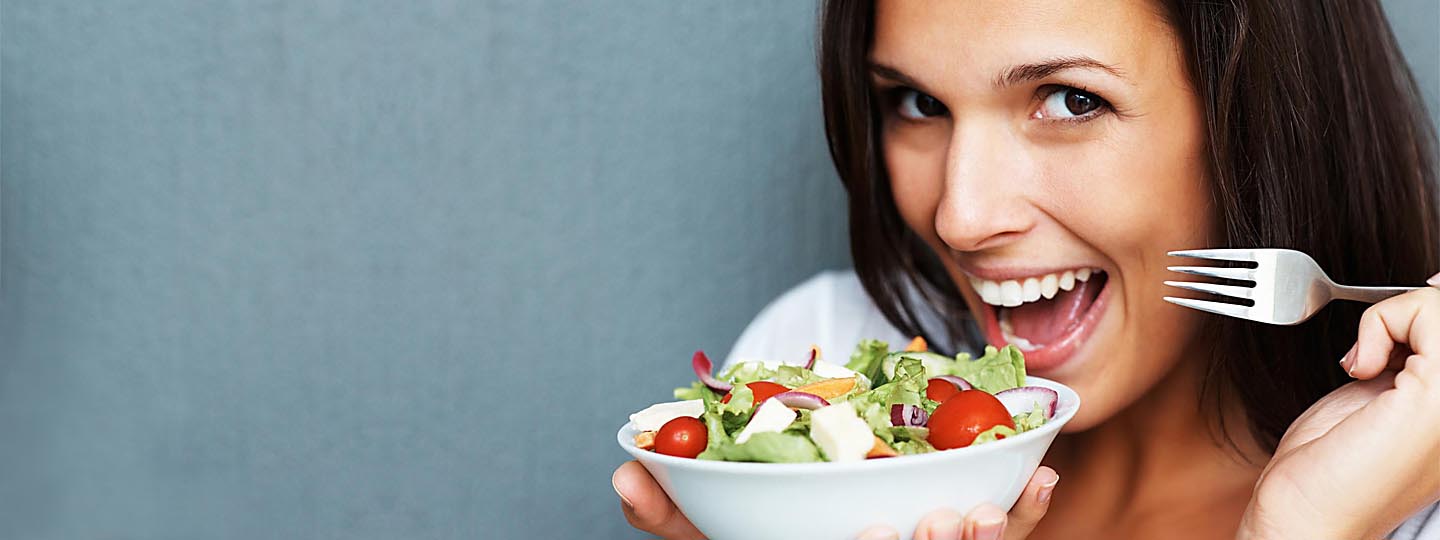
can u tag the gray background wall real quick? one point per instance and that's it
(331, 269)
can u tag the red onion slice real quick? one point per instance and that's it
(908, 415)
(962, 384)
(1023, 400)
(801, 400)
(702, 366)
(814, 353)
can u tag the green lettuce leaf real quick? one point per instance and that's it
(768, 447)
(1031, 420)
(910, 440)
(875, 413)
(715, 433)
(794, 376)
(929, 405)
(867, 359)
(993, 434)
(801, 424)
(747, 372)
(736, 413)
(696, 390)
(873, 405)
(997, 370)
(935, 363)
(908, 385)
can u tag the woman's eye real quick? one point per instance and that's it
(1068, 103)
(916, 105)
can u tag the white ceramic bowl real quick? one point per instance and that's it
(835, 501)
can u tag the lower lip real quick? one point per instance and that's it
(1053, 355)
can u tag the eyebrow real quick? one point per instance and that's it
(896, 75)
(1015, 75)
(1039, 70)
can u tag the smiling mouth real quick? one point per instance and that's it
(1046, 316)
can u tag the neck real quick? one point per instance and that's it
(1162, 455)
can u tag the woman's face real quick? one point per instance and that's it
(1051, 153)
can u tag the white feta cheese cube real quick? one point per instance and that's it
(832, 371)
(658, 414)
(772, 416)
(841, 433)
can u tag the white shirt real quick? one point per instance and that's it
(832, 310)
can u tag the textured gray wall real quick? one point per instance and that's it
(400, 270)
(337, 269)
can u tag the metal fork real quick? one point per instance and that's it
(1289, 286)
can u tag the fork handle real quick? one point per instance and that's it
(1369, 295)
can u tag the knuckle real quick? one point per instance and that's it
(1430, 296)
(1372, 313)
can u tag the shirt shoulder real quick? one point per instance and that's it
(831, 309)
(1424, 525)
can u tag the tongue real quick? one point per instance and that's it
(1043, 322)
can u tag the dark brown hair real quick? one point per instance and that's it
(1317, 141)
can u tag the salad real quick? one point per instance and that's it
(880, 404)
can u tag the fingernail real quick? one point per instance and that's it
(946, 526)
(1347, 362)
(1434, 280)
(1047, 489)
(623, 500)
(990, 530)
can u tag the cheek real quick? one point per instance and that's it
(1140, 192)
(917, 182)
(1145, 194)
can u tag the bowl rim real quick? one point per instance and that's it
(1066, 408)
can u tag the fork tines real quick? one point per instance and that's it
(1220, 308)
(1234, 292)
(1244, 255)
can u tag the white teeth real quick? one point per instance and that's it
(990, 292)
(1010, 294)
(1013, 292)
(1030, 290)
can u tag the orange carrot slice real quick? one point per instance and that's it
(917, 345)
(829, 388)
(881, 450)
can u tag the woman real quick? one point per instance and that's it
(990, 142)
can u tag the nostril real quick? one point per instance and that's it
(973, 227)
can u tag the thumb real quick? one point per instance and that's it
(647, 507)
(1033, 504)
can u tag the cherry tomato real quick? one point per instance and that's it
(957, 420)
(682, 437)
(763, 390)
(940, 390)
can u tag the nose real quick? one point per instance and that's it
(984, 203)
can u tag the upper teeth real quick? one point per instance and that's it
(1013, 292)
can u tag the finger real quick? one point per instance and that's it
(939, 525)
(1396, 360)
(1033, 503)
(647, 507)
(985, 522)
(1408, 319)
